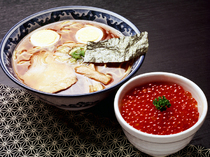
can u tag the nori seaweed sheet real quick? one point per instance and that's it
(117, 49)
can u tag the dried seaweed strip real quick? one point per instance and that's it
(117, 49)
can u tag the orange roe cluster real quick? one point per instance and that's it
(138, 109)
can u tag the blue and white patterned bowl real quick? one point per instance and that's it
(30, 23)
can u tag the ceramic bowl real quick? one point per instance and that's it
(30, 23)
(160, 145)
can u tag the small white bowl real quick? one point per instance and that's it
(161, 145)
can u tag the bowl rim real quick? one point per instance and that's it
(138, 132)
(15, 80)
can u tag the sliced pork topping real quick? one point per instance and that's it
(95, 87)
(93, 74)
(47, 76)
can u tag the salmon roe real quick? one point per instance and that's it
(139, 111)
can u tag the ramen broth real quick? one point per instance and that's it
(25, 53)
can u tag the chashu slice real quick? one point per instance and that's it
(93, 74)
(95, 87)
(47, 75)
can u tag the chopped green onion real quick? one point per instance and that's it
(161, 103)
(77, 52)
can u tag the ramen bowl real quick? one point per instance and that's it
(37, 20)
(153, 144)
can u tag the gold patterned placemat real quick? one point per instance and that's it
(32, 128)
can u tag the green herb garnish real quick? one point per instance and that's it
(161, 103)
(77, 53)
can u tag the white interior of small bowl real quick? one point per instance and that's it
(188, 85)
